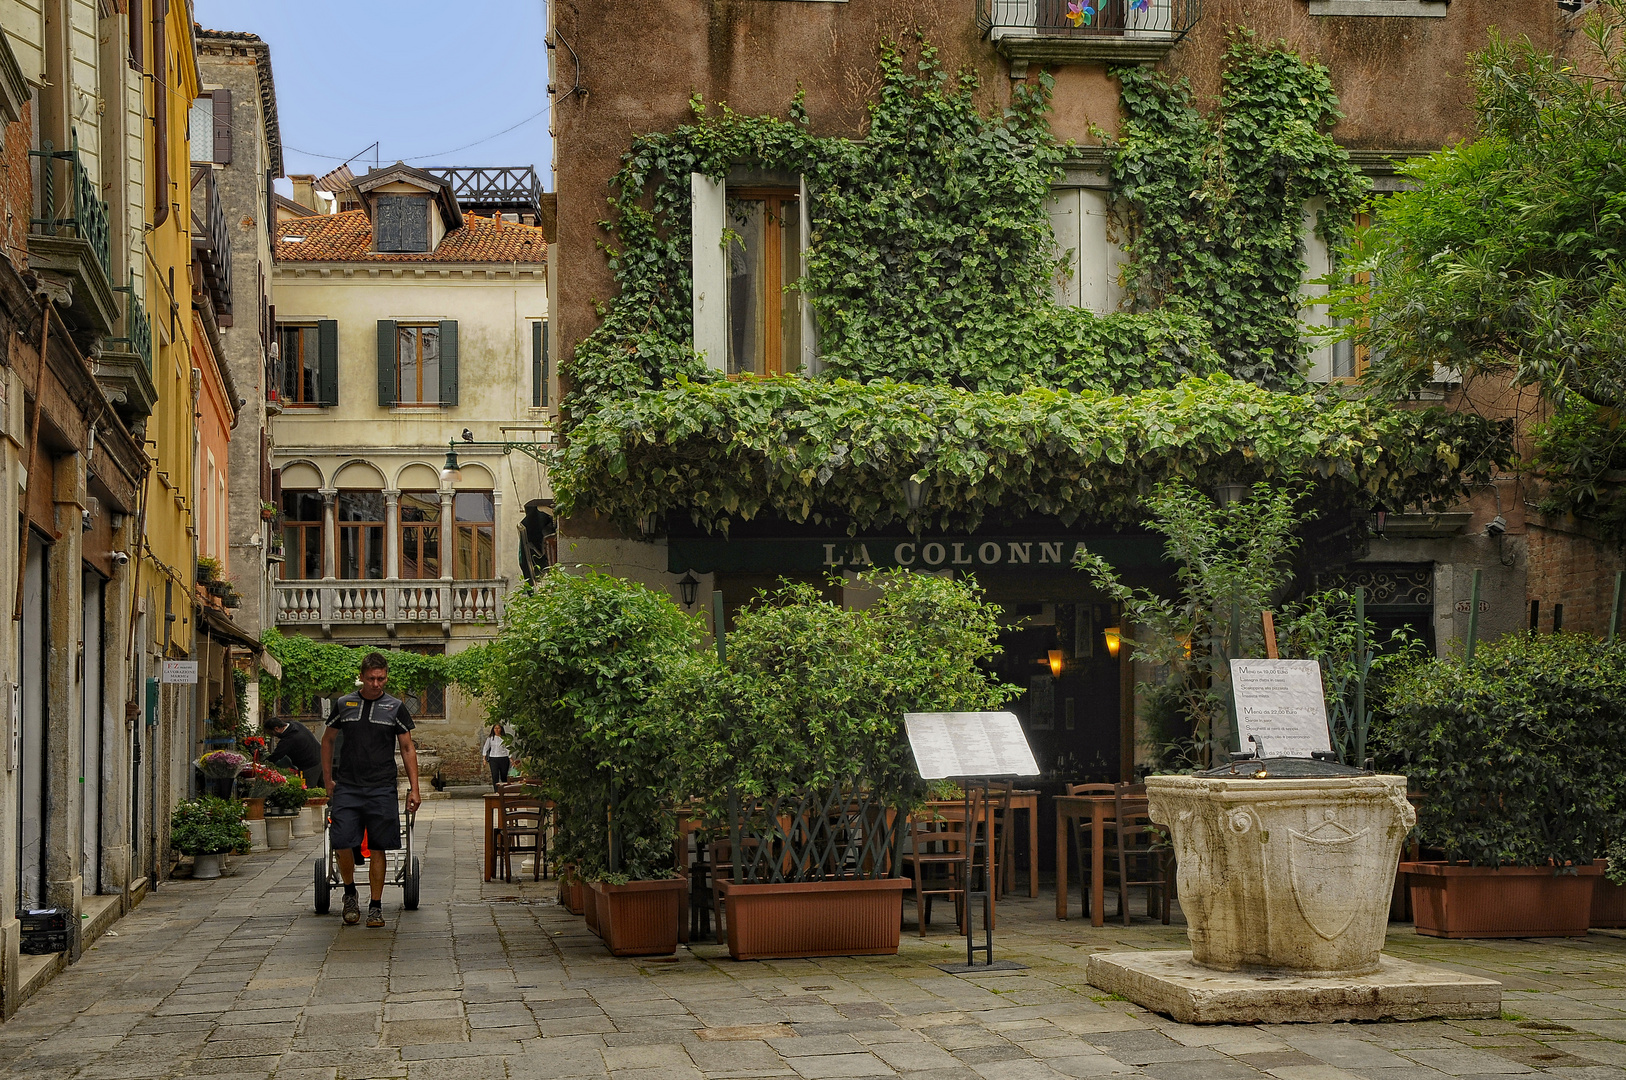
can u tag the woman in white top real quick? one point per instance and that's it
(495, 751)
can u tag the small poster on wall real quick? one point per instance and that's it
(1041, 703)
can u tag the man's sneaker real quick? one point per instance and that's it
(352, 909)
(375, 914)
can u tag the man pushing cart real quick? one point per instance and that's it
(363, 794)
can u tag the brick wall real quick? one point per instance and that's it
(17, 188)
(1570, 567)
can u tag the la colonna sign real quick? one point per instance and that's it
(811, 555)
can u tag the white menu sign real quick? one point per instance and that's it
(1279, 703)
(969, 744)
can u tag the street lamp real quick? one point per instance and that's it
(450, 473)
(687, 586)
(913, 490)
(1114, 640)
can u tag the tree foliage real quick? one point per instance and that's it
(1506, 260)
(313, 669)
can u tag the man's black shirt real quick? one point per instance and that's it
(298, 747)
(370, 730)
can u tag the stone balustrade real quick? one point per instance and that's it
(389, 603)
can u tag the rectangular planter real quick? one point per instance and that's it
(814, 918)
(1458, 901)
(1609, 905)
(591, 906)
(640, 918)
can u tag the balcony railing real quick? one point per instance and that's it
(1087, 29)
(390, 603)
(507, 188)
(68, 201)
(137, 336)
(211, 240)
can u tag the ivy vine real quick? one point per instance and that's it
(313, 669)
(945, 359)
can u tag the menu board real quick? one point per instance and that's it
(969, 744)
(1279, 703)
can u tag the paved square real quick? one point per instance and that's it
(238, 978)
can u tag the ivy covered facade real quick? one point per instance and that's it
(908, 296)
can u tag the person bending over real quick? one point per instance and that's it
(296, 748)
(362, 794)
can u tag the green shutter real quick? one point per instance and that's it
(327, 362)
(386, 362)
(544, 363)
(539, 386)
(448, 362)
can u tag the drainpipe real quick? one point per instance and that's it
(160, 112)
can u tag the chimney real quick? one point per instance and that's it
(305, 190)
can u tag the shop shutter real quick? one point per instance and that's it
(386, 362)
(448, 362)
(327, 362)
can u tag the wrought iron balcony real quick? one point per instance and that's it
(70, 240)
(1079, 31)
(211, 242)
(137, 336)
(68, 200)
(389, 603)
(501, 189)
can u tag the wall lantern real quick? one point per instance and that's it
(1056, 656)
(450, 473)
(1230, 493)
(688, 585)
(913, 490)
(1114, 640)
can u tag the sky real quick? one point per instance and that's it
(461, 83)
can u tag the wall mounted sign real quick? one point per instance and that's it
(180, 671)
(813, 555)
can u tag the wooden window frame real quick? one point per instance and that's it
(467, 528)
(309, 397)
(416, 329)
(363, 540)
(416, 530)
(294, 534)
(771, 321)
(1361, 354)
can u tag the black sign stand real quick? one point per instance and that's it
(989, 964)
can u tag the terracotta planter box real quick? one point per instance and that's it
(814, 918)
(573, 894)
(256, 809)
(1608, 905)
(590, 906)
(1458, 901)
(640, 918)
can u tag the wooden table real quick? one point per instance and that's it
(1099, 809)
(1028, 802)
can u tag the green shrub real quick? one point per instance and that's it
(811, 692)
(1518, 754)
(290, 794)
(572, 675)
(207, 825)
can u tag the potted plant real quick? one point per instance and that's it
(207, 829)
(573, 676)
(208, 569)
(268, 511)
(807, 709)
(255, 783)
(1609, 894)
(283, 803)
(1517, 753)
(220, 769)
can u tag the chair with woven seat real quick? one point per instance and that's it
(1082, 842)
(936, 846)
(522, 828)
(1139, 855)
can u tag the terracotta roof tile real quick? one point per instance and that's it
(348, 237)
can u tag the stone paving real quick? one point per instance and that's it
(238, 978)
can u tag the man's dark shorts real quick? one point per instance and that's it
(374, 810)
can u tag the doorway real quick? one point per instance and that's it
(31, 786)
(91, 732)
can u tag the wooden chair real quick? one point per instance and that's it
(1138, 854)
(523, 828)
(937, 844)
(1082, 841)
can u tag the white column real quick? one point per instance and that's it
(330, 533)
(392, 533)
(448, 534)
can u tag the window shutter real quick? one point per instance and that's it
(708, 219)
(539, 390)
(386, 362)
(327, 362)
(448, 362)
(544, 363)
(222, 126)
